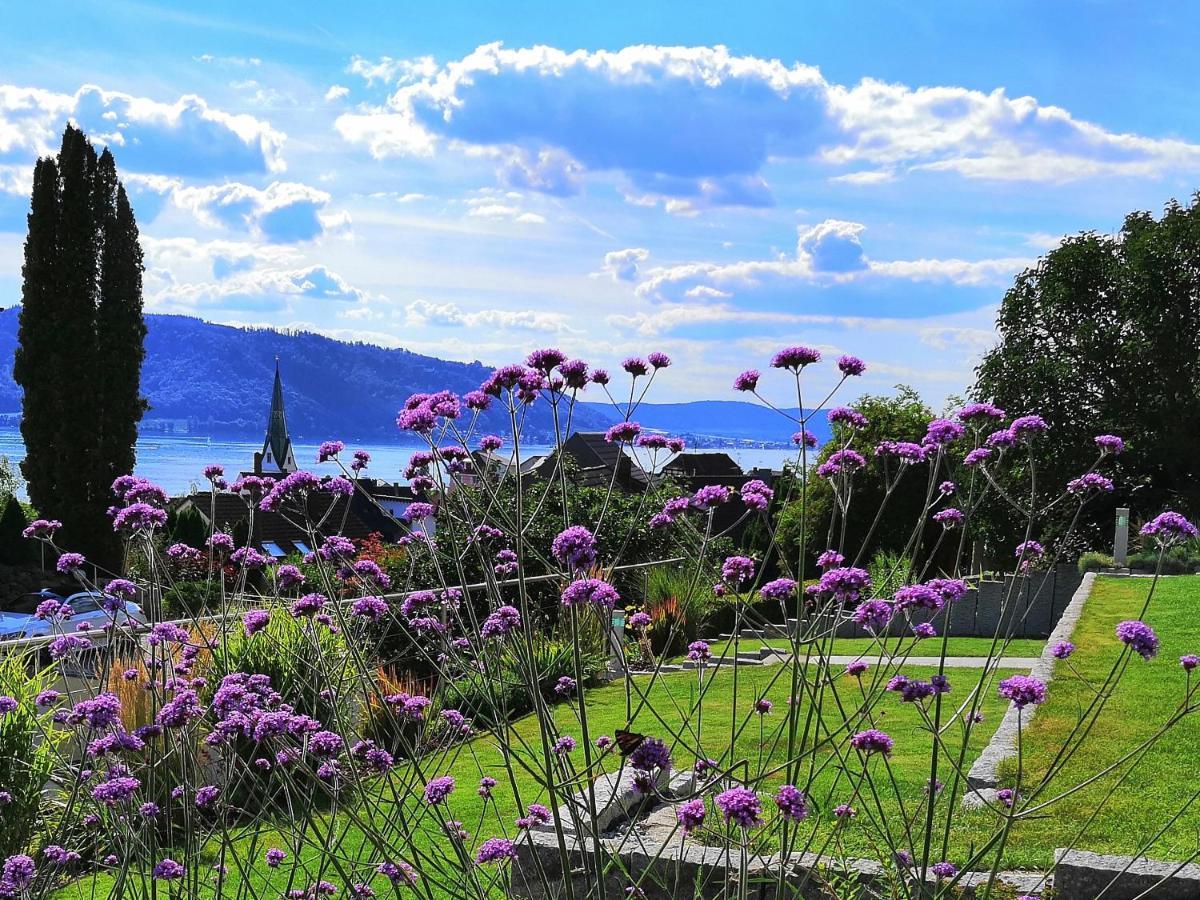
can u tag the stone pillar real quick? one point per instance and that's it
(616, 641)
(1121, 539)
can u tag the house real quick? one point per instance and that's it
(595, 461)
(702, 467)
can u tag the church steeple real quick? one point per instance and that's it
(276, 456)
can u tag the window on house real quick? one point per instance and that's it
(274, 549)
(302, 547)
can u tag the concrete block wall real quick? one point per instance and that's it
(1030, 608)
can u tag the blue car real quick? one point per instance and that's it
(18, 620)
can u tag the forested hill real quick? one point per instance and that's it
(216, 379)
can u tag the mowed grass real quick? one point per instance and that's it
(867, 647)
(667, 705)
(1149, 789)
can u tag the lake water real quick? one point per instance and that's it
(176, 463)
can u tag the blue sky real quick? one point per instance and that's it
(475, 180)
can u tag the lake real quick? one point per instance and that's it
(176, 462)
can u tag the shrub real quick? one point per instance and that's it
(679, 607)
(889, 571)
(190, 599)
(1094, 561)
(28, 750)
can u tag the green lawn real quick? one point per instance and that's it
(1159, 783)
(867, 647)
(1162, 781)
(667, 705)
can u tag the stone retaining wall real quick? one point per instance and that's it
(1031, 609)
(1003, 744)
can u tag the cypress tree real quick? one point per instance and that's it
(38, 349)
(120, 335)
(80, 346)
(15, 549)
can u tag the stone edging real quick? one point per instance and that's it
(1003, 745)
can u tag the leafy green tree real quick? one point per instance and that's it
(80, 343)
(902, 417)
(1103, 336)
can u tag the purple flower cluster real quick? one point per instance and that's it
(780, 589)
(501, 622)
(795, 358)
(1169, 527)
(495, 850)
(845, 584)
(844, 415)
(941, 432)
(843, 462)
(740, 806)
(575, 548)
(874, 615)
(1089, 482)
(649, 755)
(872, 741)
(438, 789)
(737, 570)
(756, 495)
(691, 814)
(592, 591)
(1062, 649)
(792, 803)
(1023, 690)
(949, 518)
(1140, 637)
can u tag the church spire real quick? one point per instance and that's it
(277, 448)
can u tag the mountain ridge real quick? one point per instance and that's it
(210, 379)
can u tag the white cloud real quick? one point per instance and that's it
(337, 92)
(232, 61)
(869, 176)
(830, 252)
(623, 265)
(255, 289)
(490, 204)
(450, 315)
(187, 137)
(697, 125)
(283, 212)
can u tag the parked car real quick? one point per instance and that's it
(19, 619)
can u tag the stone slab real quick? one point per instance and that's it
(1080, 875)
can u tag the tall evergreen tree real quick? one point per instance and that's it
(81, 343)
(121, 335)
(38, 348)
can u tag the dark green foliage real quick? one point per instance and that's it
(902, 417)
(80, 343)
(121, 334)
(15, 550)
(28, 745)
(1103, 336)
(1094, 561)
(38, 350)
(1177, 561)
(190, 599)
(187, 526)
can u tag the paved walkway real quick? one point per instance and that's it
(930, 662)
(952, 662)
